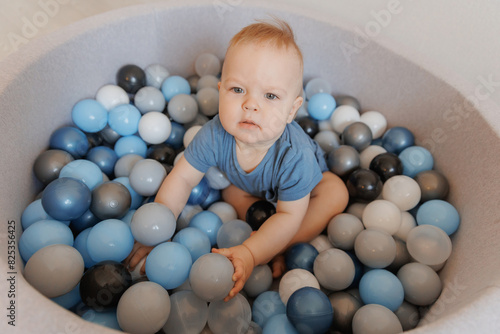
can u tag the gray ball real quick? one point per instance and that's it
(183, 108)
(124, 165)
(110, 200)
(259, 281)
(358, 135)
(348, 100)
(375, 319)
(149, 98)
(147, 176)
(109, 135)
(344, 307)
(155, 75)
(49, 163)
(421, 283)
(408, 315)
(208, 100)
(343, 160)
(433, 185)
(216, 178)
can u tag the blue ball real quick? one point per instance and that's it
(214, 195)
(175, 140)
(169, 264)
(209, 223)
(380, 286)
(301, 256)
(175, 85)
(83, 170)
(124, 119)
(440, 214)
(89, 115)
(103, 317)
(310, 310)
(69, 299)
(396, 139)
(279, 324)
(196, 242)
(131, 145)
(35, 212)
(110, 239)
(128, 216)
(88, 219)
(199, 193)
(71, 140)
(321, 106)
(416, 159)
(104, 157)
(137, 198)
(43, 233)
(358, 270)
(81, 246)
(266, 305)
(66, 198)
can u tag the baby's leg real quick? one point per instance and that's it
(239, 199)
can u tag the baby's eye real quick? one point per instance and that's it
(237, 90)
(271, 96)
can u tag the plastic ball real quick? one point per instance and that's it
(309, 125)
(70, 299)
(148, 99)
(343, 160)
(33, 213)
(233, 233)
(429, 244)
(190, 133)
(80, 245)
(295, 279)
(375, 121)
(84, 170)
(102, 285)
(416, 159)
(174, 85)
(207, 81)
(433, 185)
(402, 191)
(310, 311)
(208, 100)
(147, 176)
(124, 164)
(188, 212)
(402, 256)
(66, 198)
(136, 198)
(108, 135)
(154, 127)
(265, 306)
(176, 135)
(214, 195)
(407, 223)
(348, 100)
(317, 85)
(104, 157)
(111, 96)
(344, 307)
(103, 317)
(258, 213)
(143, 308)
(408, 315)
(182, 108)
(169, 264)
(343, 116)
(386, 165)
(224, 210)
(207, 63)
(188, 313)
(368, 154)
(49, 163)
(343, 229)
(440, 214)
(375, 248)
(382, 214)
(199, 193)
(327, 140)
(110, 239)
(194, 240)
(321, 243)
(124, 119)
(364, 185)
(71, 140)
(357, 135)
(375, 319)
(216, 178)
(131, 78)
(334, 269)
(152, 223)
(356, 209)
(110, 200)
(396, 139)
(301, 255)
(130, 145)
(89, 115)
(380, 286)
(54, 270)
(254, 328)
(233, 316)
(279, 324)
(211, 277)
(422, 286)
(155, 75)
(260, 280)
(321, 106)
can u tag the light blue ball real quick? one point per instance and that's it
(175, 85)
(194, 240)
(321, 106)
(169, 264)
(106, 318)
(440, 214)
(128, 217)
(416, 159)
(69, 299)
(266, 305)
(89, 115)
(137, 198)
(233, 233)
(380, 286)
(81, 246)
(124, 119)
(111, 239)
(131, 145)
(35, 212)
(43, 233)
(279, 324)
(104, 157)
(83, 170)
(209, 223)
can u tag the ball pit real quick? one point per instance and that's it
(446, 156)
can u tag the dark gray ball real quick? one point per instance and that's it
(433, 185)
(110, 200)
(49, 163)
(343, 160)
(358, 135)
(348, 100)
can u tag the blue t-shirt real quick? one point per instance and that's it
(291, 168)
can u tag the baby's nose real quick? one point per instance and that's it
(250, 105)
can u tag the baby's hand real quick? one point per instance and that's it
(243, 263)
(136, 255)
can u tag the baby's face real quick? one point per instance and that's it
(259, 92)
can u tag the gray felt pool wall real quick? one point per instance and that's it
(39, 86)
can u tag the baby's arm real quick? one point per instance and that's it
(173, 193)
(271, 238)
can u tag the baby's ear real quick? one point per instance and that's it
(295, 107)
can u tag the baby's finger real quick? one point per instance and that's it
(238, 286)
(223, 251)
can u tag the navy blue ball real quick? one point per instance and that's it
(71, 140)
(176, 135)
(310, 311)
(66, 198)
(199, 193)
(104, 157)
(396, 139)
(301, 256)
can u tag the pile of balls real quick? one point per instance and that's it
(369, 272)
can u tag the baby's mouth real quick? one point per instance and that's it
(248, 122)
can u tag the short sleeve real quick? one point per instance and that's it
(201, 153)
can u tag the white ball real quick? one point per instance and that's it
(224, 210)
(366, 156)
(294, 280)
(155, 75)
(321, 243)
(375, 121)
(154, 127)
(343, 116)
(383, 215)
(407, 223)
(111, 96)
(317, 85)
(356, 209)
(190, 133)
(403, 191)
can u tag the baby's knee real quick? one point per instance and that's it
(334, 190)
